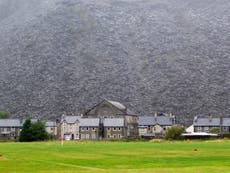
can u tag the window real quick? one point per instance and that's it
(206, 129)
(86, 136)
(199, 129)
(114, 128)
(12, 129)
(225, 129)
(108, 136)
(51, 128)
(148, 127)
(93, 129)
(108, 129)
(114, 136)
(119, 136)
(87, 128)
(119, 129)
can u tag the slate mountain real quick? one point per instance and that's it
(61, 56)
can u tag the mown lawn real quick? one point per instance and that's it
(115, 157)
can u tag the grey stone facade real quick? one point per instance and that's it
(205, 124)
(9, 129)
(111, 110)
(114, 128)
(155, 126)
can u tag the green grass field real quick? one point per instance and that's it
(115, 157)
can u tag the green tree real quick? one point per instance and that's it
(39, 132)
(4, 114)
(215, 130)
(26, 133)
(174, 132)
(33, 131)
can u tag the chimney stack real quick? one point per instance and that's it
(170, 114)
(195, 118)
(210, 118)
(155, 116)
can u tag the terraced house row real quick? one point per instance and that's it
(10, 128)
(205, 124)
(112, 120)
(106, 120)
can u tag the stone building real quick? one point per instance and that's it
(69, 127)
(89, 128)
(10, 129)
(114, 128)
(77, 127)
(205, 124)
(112, 109)
(106, 120)
(155, 126)
(51, 128)
(225, 125)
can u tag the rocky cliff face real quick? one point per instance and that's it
(163, 55)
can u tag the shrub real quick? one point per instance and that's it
(33, 131)
(174, 133)
(214, 130)
(4, 114)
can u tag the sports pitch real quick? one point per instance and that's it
(116, 157)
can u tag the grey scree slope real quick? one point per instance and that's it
(159, 55)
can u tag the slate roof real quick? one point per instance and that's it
(50, 123)
(89, 122)
(10, 123)
(206, 121)
(33, 120)
(117, 104)
(71, 119)
(129, 112)
(114, 122)
(226, 122)
(151, 120)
